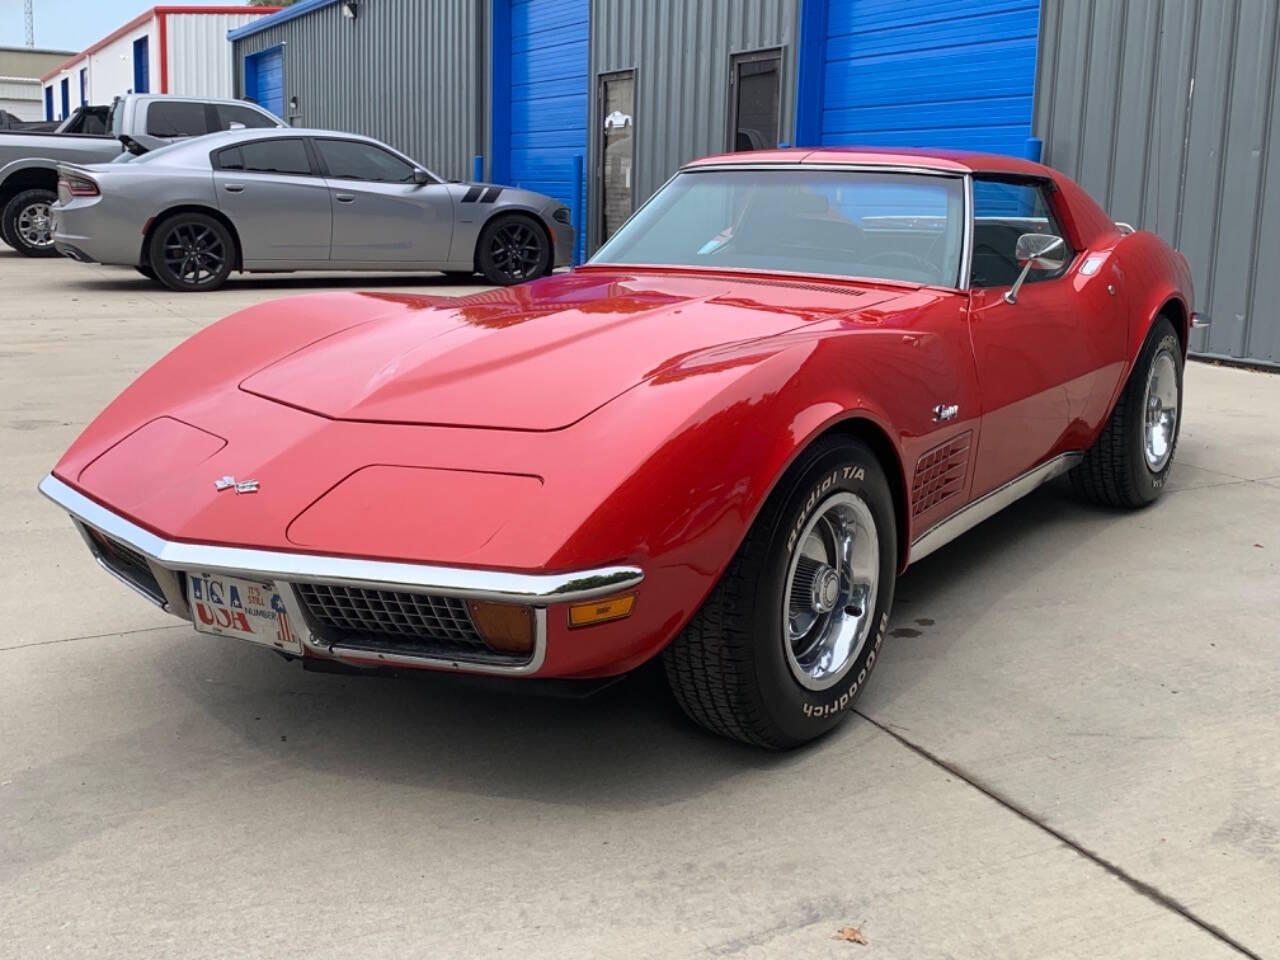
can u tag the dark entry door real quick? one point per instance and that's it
(617, 150)
(755, 84)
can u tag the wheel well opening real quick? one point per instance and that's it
(160, 219)
(882, 446)
(524, 215)
(30, 179)
(1176, 311)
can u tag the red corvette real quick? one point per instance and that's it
(787, 377)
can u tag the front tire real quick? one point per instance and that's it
(783, 646)
(191, 252)
(28, 223)
(1129, 464)
(512, 249)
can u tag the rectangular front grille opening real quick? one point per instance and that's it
(128, 564)
(394, 621)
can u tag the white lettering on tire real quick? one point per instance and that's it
(839, 703)
(815, 496)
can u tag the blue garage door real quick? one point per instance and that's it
(933, 73)
(540, 141)
(264, 79)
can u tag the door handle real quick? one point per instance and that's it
(234, 187)
(344, 197)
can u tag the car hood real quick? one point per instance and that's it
(540, 356)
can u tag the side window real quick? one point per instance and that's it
(176, 118)
(355, 160)
(229, 159)
(1002, 212)
(94, 122)
(266, 156)
(251, 119)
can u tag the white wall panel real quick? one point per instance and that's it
(200, 53)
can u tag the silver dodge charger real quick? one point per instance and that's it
(274, 200)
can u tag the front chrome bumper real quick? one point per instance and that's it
(169, 559)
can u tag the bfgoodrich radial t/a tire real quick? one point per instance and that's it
(1128, 465)
(785, 642)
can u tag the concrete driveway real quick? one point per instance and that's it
(1071, 746)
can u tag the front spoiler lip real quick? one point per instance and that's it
(502, 586)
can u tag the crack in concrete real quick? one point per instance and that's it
(1142, 888)
(87, 636)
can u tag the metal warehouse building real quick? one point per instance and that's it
(21, 94)
(1164, 109)
(180, 50)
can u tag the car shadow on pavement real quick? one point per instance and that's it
(625, 747)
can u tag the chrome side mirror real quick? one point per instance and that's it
(421, 177)
(1036, 251)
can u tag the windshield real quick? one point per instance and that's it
(880, 225)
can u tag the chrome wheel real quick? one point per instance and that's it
(194, 253)
(830, 594)
(1161, 410)
(35, 225)
(516, 250)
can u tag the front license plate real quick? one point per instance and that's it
(248, 609)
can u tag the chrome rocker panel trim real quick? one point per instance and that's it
(965, 519)
(169, 556)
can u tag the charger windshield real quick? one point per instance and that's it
(889, 226)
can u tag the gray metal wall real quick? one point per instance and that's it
(1167, 112)
(408, 72)
(680, 51)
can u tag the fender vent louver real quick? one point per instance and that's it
(940, 474)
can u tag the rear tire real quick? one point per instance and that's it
(763, 660)
(1129, 464)
(191, 252)
(28, 223)
(512, 249)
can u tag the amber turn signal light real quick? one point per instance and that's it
(505, 628)
(601, 611)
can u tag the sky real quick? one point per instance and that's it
(74, 24)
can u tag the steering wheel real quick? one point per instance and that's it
(910, 259)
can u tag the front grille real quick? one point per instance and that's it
(128, 563)
(393, 620)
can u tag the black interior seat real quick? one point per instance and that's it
(995, 244)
